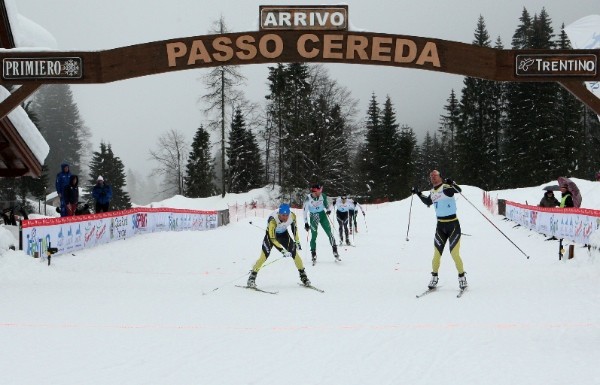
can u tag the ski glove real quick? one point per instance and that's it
(449, 181)
(285, 253)
(306, 227)
(298, 245)
(413, 190)
(328, 212)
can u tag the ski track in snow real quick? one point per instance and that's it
(133, 312)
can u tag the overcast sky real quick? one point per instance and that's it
(132, 114)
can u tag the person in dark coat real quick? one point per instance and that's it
(102, 193)
(71, 195)
(62, 181)
(549, 200)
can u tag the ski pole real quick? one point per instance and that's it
(409, 214)
(365, 219)
(258, 227)
(505, 236)
(241, 276)
(333, 232)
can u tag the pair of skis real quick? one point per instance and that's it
(336, 256)
(275, 292)
(429, 291)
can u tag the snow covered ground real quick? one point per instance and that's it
(163, 308)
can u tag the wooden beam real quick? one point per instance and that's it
(19, 151)
(6, 36)
(580, 91)
(17, 98)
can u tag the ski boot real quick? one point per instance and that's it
(314, 257)
(348, 242)
(252, 279)
(304, 278)
(434, 281)
(462, 281)
(335, 253)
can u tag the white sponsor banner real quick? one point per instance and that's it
(85, 231)
(574, 224)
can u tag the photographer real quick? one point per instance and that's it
(102, 193)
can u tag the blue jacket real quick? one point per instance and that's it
(102, 193)
(62, 178)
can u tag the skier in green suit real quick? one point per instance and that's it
(316, 208)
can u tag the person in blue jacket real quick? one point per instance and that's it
(62, 181)
(102, 193)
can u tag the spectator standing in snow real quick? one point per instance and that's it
(62, 181)
(316, 209)
(566, 199)
(448, 227)
(277, 236)
(71, 195)
(548, 200)
(102, 193)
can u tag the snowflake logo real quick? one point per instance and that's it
(71, 68)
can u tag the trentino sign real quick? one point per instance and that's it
(556, 65)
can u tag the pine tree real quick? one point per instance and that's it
(369, 164)
(520, 107)
(256, 168)
(447, 130)
(569, 111)
(221, 83)
(545, 133)
(498, 127)
(60, 124)
(104, 163)
(199, 170)
(244, 167)
(474, 141)
(407, 161)
(389, 157)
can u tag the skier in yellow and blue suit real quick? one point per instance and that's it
(448, 226)
(277, 236)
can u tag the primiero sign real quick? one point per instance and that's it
(299, 34)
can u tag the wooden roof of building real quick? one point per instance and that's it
(16, 158)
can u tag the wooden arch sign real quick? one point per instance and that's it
(567, 67)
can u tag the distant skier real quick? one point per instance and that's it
(342, 214)
(448, 226)
(354, 207)
(278, 236)
(316, 208)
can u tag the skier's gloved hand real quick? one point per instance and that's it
(413, 190)
(363, 213)
(298, 245)
(449, 181)
(306, 227)
(328, 212)
(285, 253)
